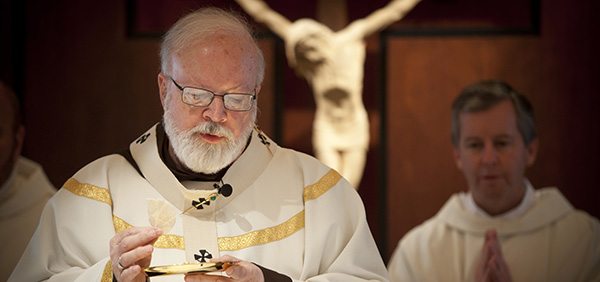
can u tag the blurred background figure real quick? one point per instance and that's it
(332, 62)
(502, 229)
(24, 190)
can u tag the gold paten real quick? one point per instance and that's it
(188, 268)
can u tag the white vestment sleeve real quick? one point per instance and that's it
(339, 244)
(399, 266)
(63, 248)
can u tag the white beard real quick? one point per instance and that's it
(203, 157)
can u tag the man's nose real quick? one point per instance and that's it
(216, 111)
(490, 155)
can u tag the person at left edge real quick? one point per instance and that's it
(287, 217)
(24, 186)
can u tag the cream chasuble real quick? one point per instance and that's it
(551, 242)
(288, 212)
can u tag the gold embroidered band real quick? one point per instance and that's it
(103, 195)
(328, 180)
(88, 191)
(285, 229)
(107, 274)
(258, 237)
(263, 236)
(166, 241)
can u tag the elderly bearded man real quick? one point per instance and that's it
(211, 180)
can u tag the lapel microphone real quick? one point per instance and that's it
(225, 189)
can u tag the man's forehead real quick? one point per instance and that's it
(499, 136)
(496, 120)
(504, 108)
(209, 48)
(216, 75)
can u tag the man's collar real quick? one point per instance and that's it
(525, 204)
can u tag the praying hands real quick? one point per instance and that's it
(491, 266)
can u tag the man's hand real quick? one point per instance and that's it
(131, 251)
(241, 271)
(491, 266)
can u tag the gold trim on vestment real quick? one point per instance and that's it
(328, 180)
(88, 191)
(103, 195)
(263, 236)
(120, 225)
(258, 237)
(254, 238)
(286, 229)
(169, 241)
(166, 241)
(107, 274)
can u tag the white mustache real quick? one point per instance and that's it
(213, 128)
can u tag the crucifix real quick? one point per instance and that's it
(330, 53)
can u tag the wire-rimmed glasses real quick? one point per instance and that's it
(199, 97)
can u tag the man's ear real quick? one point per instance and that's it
(163, 81)
(532, 150)
(258, 87)
(18, 144)
(457, 159)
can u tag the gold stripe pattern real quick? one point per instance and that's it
(166, 241)
(285, 229)
(263, 236)
(103, 195)
(88, 191)
(120, 225)
(107, 274)
(328, 180)
(254, 238)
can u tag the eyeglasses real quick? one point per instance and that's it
(239, 102)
